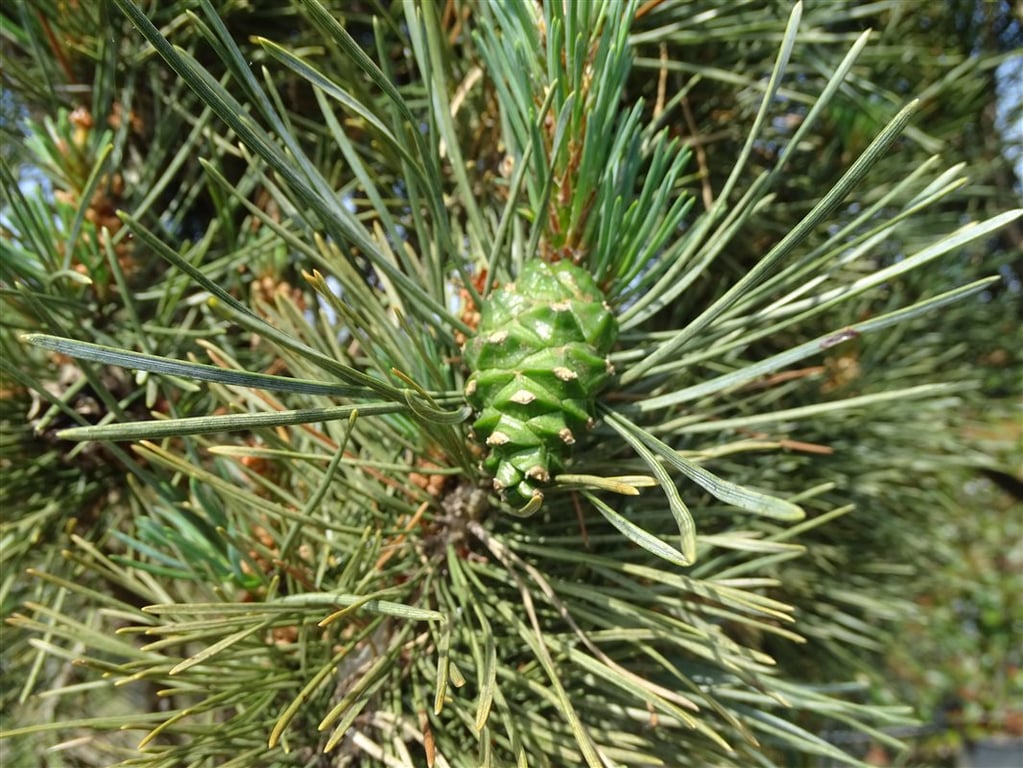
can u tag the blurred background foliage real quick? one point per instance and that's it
(915, 594)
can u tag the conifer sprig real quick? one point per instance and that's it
(312, 560)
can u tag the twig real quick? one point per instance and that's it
(701, 156)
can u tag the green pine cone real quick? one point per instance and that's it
(538, 361)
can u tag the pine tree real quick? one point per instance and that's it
(478, 418)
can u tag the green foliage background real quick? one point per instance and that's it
(334, 587)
